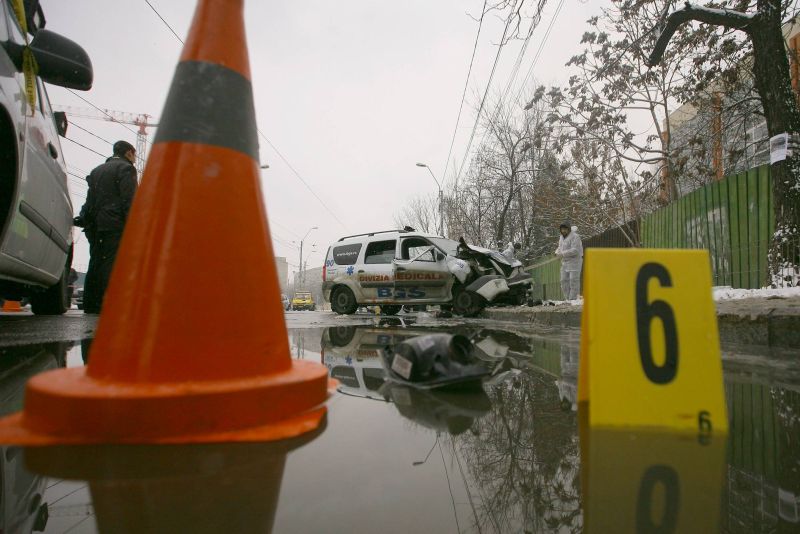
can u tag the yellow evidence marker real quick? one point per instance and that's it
(652, 482)
(649, 344)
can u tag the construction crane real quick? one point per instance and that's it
(142, 120)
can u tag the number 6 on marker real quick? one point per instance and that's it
(631, 375)
(645, 313)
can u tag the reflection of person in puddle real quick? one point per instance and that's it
(86, 344)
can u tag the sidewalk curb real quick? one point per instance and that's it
(761, 321)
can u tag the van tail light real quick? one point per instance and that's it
(324, 272)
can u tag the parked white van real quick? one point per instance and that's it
(35, 207)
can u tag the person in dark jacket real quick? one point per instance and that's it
(112, 186)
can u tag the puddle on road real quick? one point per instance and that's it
(396, 459)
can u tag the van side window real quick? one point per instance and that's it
(380, 252)
(413, 247)
(346, 254)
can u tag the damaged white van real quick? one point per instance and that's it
(393, 268)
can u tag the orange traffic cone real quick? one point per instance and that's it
(165, 366)
(12, 306)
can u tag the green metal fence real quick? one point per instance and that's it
(732, 218)
(546, 279)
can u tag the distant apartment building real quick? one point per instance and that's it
(709, 141)
(282, 266)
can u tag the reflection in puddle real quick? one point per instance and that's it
(523, 458)
(509, 458)
(23, 506)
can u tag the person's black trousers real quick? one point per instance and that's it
(102, 253)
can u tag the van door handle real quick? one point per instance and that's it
(53, 151)
(398, 268)
(361, 271)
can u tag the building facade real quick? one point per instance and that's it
(723, 133)
(282, 267)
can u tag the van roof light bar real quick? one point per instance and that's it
(369, 234)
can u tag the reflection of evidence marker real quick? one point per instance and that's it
(649, 345)
(651, 482)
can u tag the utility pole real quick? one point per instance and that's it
(301, 267)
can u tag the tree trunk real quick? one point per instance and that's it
(774, 85)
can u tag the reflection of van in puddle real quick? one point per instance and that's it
(353, 356)
(21, 491)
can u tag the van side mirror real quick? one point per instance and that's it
(440, 256)
(61, 122)
(62, 61)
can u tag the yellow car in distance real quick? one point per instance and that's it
(303, 300)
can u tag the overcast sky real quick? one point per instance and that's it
(353, 93)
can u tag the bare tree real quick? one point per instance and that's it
(421, 213)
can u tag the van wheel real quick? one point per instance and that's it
(341, 335)
(468, 304)
(55, 300)
(390, 309)
(343, 301)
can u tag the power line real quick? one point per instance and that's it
(78, 182)
(511, 79)
(541, 47)
(164, 21)
(297, 174)
(464, 94)
(86, 147)
(301, 178)
(77, 169)
(271, 220)
(78, 126)
(485, 94)
(514, 70)
(518, 63)
(104, 112)
(76, 193)
(537, 18)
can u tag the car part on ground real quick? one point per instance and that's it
(434, 361)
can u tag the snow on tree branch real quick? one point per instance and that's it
(728, 18)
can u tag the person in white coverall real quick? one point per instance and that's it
(570, 250)
(510, 252)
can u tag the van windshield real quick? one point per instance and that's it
(449, 246)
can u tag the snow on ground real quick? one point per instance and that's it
(577, 302)
(719, 292)
(728, 293)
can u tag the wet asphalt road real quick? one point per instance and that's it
(25, 328)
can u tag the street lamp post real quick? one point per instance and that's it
(302, 270)
(441, 205)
